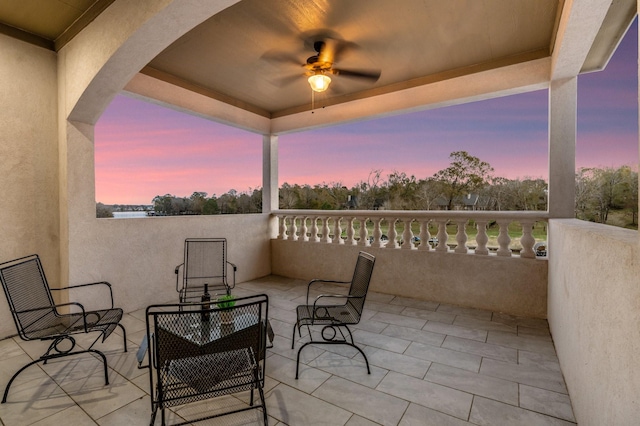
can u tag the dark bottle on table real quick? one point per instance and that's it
(206, 303)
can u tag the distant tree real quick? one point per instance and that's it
(211, 206)
(371, 194)
(197, 202)
(465, 175)
(402, 191)
(427, 194)
(103, 211)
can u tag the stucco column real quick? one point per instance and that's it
(562, 147)
(269, 173)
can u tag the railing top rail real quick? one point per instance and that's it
(419, 214)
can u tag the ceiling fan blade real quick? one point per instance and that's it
(281, 57)
(371, 75)
(285, 81)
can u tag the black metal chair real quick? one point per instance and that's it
(38, 317)
(206, 353)
(335, 318)
(205, 262)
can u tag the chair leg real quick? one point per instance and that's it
(293, 338)
(45, 358)
(124, 336)
(6, 389)
(264, 406)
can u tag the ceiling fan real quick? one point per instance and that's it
(329, 49)
(320, 66)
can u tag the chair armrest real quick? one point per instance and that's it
(60, 305)
(322, 281)
(87, 285)
(235, 269)
(337, 296)
(177, 271)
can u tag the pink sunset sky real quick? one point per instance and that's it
(143, 150)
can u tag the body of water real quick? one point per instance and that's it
(127, 215)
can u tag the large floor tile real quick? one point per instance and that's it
(526, 343)
(486, 325)
(444, 356)
(71, 416)
(400, 320)
(379, 407)
(417, 415)
(353, 369)
(440, 398)
(457, 331)
(98, 399)
(284, 370)
(33, 401)
(488, 350)
(411, 334)
(415, 303)
(477, 384)
(380, 341)
(429, 315)
(486, 412)
(397, 362)
(293, 407)
(546, 402)
(525, 374)
(468, 312)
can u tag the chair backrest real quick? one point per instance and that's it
(205, 261)
(360, 281)
(26, 288)
(210, 355)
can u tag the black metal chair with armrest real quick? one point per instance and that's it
(197, 354)
(205, 262)
(336, 317)
(38, 317)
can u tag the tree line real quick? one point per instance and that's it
(467, 183)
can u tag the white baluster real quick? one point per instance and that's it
(285, 235)
(314, 230)
(364, 233)
(377, 233)
(303, 229)
(350, 232)
(461, 236)
(282, 228)
(393, 236)
(325, 230)
(527, 241)
(337, 231)
(407, 235)
(442, 236)
(294, 228)
(482, 238)
(424, 235)
(503, 238)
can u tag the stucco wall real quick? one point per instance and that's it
(594, 315)
(138, 256)
(511, 285)
(29, 157)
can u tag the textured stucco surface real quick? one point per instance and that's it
(594, 316)
(511, 285)
(29, 154)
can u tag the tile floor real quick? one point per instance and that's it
(431, 364)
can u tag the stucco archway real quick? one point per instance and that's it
(92, 69)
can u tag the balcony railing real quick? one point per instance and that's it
(433, 229)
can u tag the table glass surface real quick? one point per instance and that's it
(192, 328)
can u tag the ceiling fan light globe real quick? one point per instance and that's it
(319, 82)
